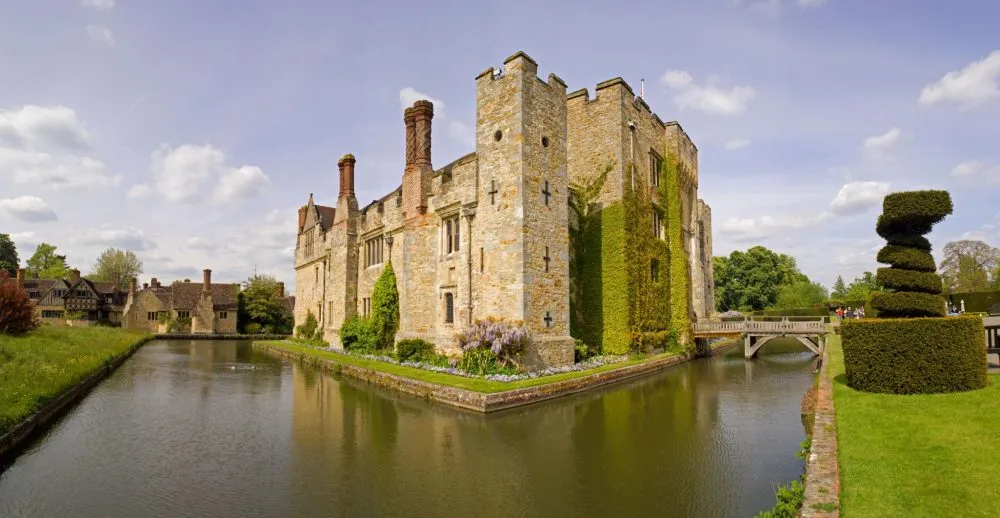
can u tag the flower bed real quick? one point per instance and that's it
(596, 361)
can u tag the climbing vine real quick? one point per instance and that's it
(680, 274)
(385, 308)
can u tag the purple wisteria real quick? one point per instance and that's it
(505, 339)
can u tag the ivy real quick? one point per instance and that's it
(385, 308)
(680, 275)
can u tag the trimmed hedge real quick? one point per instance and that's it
(975, 301)
(908, 258)
(909, 240)
(915, 356)
(902, 304)
(912, 212)
(911, 280)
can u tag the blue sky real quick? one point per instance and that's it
(190, 131)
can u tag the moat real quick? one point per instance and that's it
(201, 428)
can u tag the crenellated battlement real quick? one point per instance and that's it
(522, 62)
(618, 89)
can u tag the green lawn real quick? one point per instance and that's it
(918, 455)
(452, 380)
(38, 367)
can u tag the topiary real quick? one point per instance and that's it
(915, 286)
(17, 313)
(385, 308)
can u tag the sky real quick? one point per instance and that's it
(190, 131)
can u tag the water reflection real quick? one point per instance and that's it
(201, 428)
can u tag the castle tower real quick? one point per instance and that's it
(521, 148)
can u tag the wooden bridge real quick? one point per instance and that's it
(756, 333)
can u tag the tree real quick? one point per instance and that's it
(46, 264)
(262, 306)
(385, 308)
(839, 289)
(17, 312)
(751, 280)
(967, 265)
(8, 255)
(117, 266)
(862, 287)
(801, 294)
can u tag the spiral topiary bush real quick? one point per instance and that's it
(915, 288)
(912, 348)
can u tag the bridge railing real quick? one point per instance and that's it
(749, 325)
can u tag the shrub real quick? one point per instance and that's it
(483, 361)
(308, 328)
(358, 335)
(413, 349)
(918, 355)
(385, 308)
(17, 314)
(253, 328)
(647, 341)
(582, 351)
(905, 217)
(506, 340)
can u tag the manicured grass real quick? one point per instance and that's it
(451, 380)
(917, 455)
(38, 367)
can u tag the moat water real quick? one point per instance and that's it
(206, 428)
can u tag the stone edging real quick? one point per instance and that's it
(478, 401)
(22, 433)
(822, 486)
(190, 336)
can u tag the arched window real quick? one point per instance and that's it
(449, 308)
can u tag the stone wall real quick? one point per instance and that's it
(708, 279)
(138, 309)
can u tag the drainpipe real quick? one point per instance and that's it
(631, 145)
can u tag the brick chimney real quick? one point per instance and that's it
(423, 112)
(417, 177)
(132, 284)
(20, 278)
(346, 166)
(302, 217)
(207, 287)
(74, 275)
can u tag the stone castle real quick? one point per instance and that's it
(488, 235)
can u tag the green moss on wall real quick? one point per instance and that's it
(604, 318)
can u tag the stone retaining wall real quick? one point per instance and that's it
(188, 336)
(822, 496)
(473, 400)
(21, 434)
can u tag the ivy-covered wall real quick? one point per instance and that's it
(680, 270)
(618, 297)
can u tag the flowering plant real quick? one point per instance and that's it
(507, 340)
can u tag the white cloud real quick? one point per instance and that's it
(182, 174)
(42, 127)
(139, 191)
(246, 182)
(751, 230)
(810, 3)
(102, 34)
(25, 241)
(126, 237)
(408, 95)
(100, 5)
(57, 171)
(462, 133)
(737, 143)
(200, 243)
(28, 208)
(880, 145)
(975, 83)
(856, 197)
(967, 168)
(709, 98)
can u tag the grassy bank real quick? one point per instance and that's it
(451, 380)
(917, 455)
(38, 367)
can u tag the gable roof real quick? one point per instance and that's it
(55, 284)
(187, 294)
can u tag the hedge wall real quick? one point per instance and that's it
(975, 301)
(915, 356)
(908, 258)
(602, 275)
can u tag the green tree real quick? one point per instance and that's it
(46, 264)
(117, 266)
(966, 265)
(751, 280)
(8, 255)
(261, 303)
(839, 289)
(862, 287)
(801, 294)
(385, 307)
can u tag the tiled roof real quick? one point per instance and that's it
(326, 215)
(187, 294)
